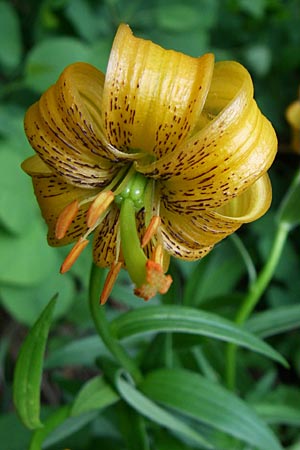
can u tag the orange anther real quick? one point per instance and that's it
(151, 230)
(109, 282)
(99, 205)
(73, 255)
(65, 219)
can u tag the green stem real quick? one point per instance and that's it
(252, 275)
(256, 291)
(103, 326)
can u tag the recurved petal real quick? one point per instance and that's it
(53, 195)
(80, 93)
(34, 165)
(65, 128)
(197, 231)
(57, 154)
(152, 97)
(208, 227)
(178, 244)
(250, 205)
(106, 243)
(235, 147)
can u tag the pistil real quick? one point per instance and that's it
(132, 194)
(147, 274)
(135, 258)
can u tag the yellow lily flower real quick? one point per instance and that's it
(293, 118)
(164, 155)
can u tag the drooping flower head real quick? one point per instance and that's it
(164, 155)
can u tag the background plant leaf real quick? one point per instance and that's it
(178, 319)
(155, 413)
(207, 402)
(274, 321)
(28, 371)
(94, 395)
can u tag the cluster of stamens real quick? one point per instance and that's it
(95, 214)
(154, 279)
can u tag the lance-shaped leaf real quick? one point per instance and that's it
(282, 414)
(180, 319)
(50, 424)
(95, 395)
(155, 413)
(207, 402)
(28, 372)
(70, 426)
(274, 321)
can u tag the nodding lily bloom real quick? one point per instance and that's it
(293, 118)
(164, 155)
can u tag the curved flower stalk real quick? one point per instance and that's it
(293, 118)
(164, 155)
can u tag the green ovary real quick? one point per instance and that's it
(130, 201)
(134, 190)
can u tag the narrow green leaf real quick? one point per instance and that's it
(28, 371)
(50, 424)
(274, 321)
(133, 428)
(69, 427)
(179, 319)
(278, 414)
(95, 395)
(152, 411)
(207, 402)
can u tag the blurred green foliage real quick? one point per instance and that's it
(37, 40)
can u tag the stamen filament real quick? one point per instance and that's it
(158, 255)
(151, 230)
(125, 181)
